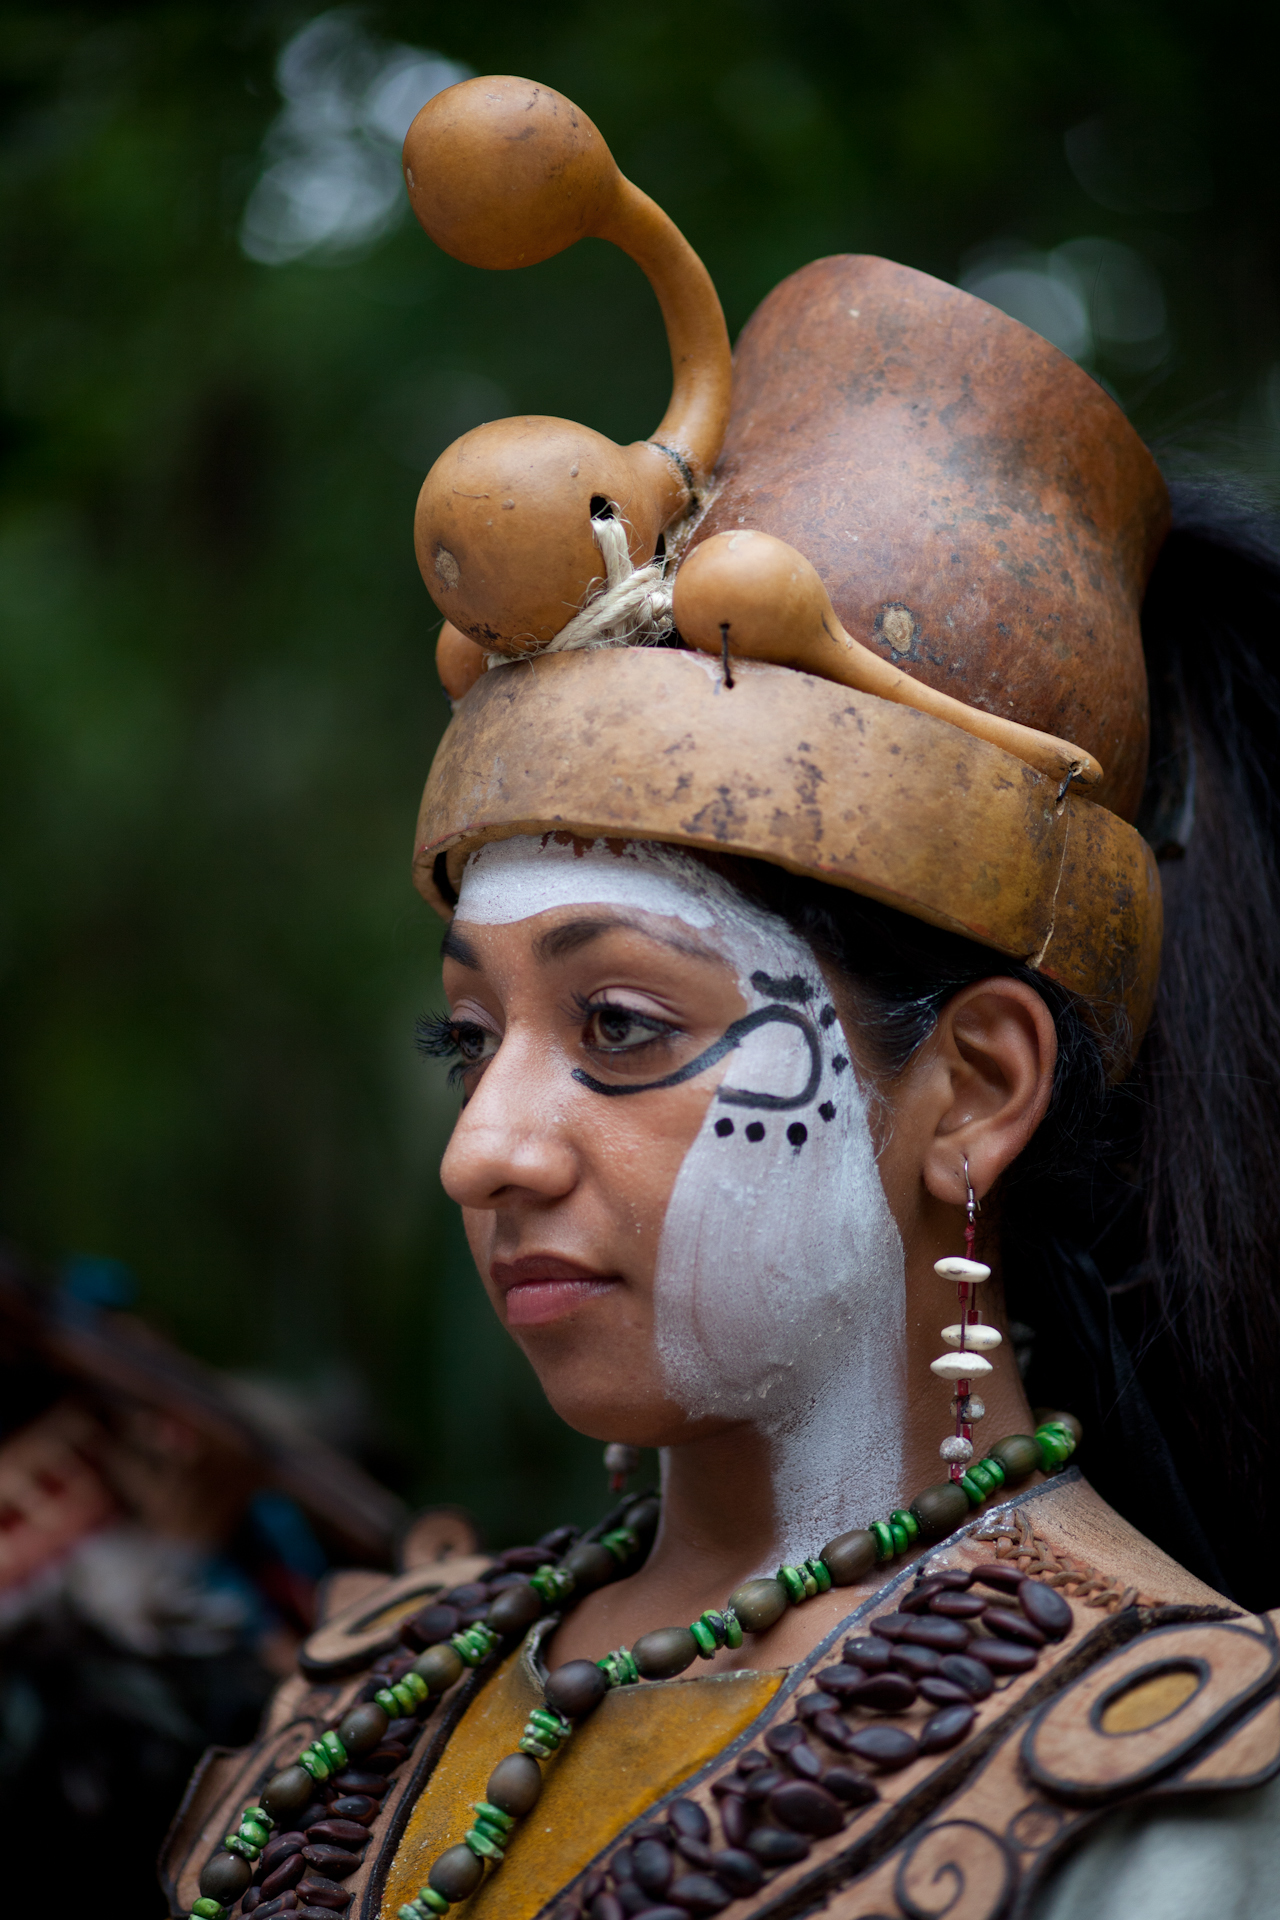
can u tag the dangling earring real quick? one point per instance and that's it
(970, 1337)
(620, 1462)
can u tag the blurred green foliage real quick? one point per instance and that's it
(217, 696)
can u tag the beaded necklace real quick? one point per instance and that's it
(306, 1833)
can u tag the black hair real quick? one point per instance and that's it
(1141, 1227)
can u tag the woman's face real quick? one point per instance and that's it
(662, 1156)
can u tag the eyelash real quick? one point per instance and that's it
(439, 1038)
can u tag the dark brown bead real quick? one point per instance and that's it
(957, 1606)
(653, 1866)
(735, 1818)
(326, 1894)
(940, 1509)
(777, 1848)
(1004, 1656)
(782, 1738)
(621, 1867)
(607, 1906)
(891, 1626)
(736, 1869)
(885, 1692)
(472, 1593)
(810, 1705)
(839, 1680)
(280, 1844)
(761, 1784)
(699, 1893)
(944, 1636)
(591, 1565)
(286, 1793)
(916, 1662)
(318, 1810)
(805, 1807)
(946, 1729)
(885, 1748)
(436, 1623)
(337, 1863)
(1045, 1609)
(577, 1688)
(456, 1873)
(696, 1852)
(339, 1833)
(287, 1874)
(522, 1559)
(944, 1693)
(1012, 1626)
(1004, 1576)
(642, 1515)
(867, 1651)
(752, 1760)
(401, 1733)
(687, 1817)
(850, 1785)
(354, 1806)
(956, 1579)
(1018, 1454)
(849, 1556)
(514, 1785)
(225, 1878)
(283, 1903)
(359, 1780)
(515, 1609)
(386, 1758)
(306, 1910)
(361, 1730)
(441, 1667)
(803, 1760)
(970, 1674)
(665, 1652)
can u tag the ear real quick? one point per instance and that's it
(994, 1051)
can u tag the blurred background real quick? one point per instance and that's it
(228, 356)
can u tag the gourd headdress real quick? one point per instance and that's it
(866, 605)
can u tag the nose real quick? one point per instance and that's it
(511, 1144)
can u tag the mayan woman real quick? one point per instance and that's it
(798, 847)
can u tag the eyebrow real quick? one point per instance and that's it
(454, 947)
(576, 934)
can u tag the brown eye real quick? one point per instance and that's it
(474, 1044)
(617, 1029)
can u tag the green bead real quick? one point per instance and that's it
(487, 1831)
(1017, 1454)
(316, 1765)
(759, 1603)
(791, 1580)
(882, 1533)
(817, 1572)
(386, 1699)
(706, 1640)
(483, 1846)
(622, 1543)
(406, 1698)
(1056, 1444)
(1055, 1417)
(259, 1814)
(993, 1470)
(900, 1540)
(536, 1749)
(552, 1726)
(415, 1910)
(904, 1518)
(204, 1909)
(496, 1816)
(245, 1848)
(415, 1685)
(972, 1491)
(619, 1669)
(940, 1509)
(257, 1836)
(732, 1628)
(434, 1902)
(553, 1583)
(474, 1644)
(849, 1556)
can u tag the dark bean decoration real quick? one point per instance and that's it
(386, 1758)
(324, 1894)
(803, 1760)
(401, 1733)
(776, 1848)
(782, 1739)
(471, 1594)
(688, 1818)
(761, 1784)
(751, 1759)
(339, 1833)
(1012, 1626)
(735, 1819)
(968, 1673)
(433, 1624)
(917, 1601)
(831, 1728)
(696, 1852)
(1045, 1609)
(358, 1780)
(946, 1729)
(1004, 1656)
(944, 1636)
(285, 1903)
(652, 1865)
(607, 1906)
(885, 1748)
(622, 1866)
(891, 1626)
(284, 1875)
(956, 1578)
(850, 1785)
(359, 1807)
(308, 1912)
(944, 1693)
(309, 1815)
(994, 1573)
(335, 1862)
(958, 1606)
(840, 1680)
(811, 1704)
(805, 1807)
(665, 1913)
(522, 1559)
(278, 1846)
(737, 1870)
(699, 1893)
(918, 1663)
(633, 1901)
(868, 1651)
(886, 1692)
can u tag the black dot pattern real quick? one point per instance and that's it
(724, 1128)
(756, 1130)
(797, 1133)
(827, 1111)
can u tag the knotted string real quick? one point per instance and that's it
(632, 608)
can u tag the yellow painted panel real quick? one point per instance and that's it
(638, 1744)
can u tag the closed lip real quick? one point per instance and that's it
(540, 1287)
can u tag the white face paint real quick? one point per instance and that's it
(780, 1294)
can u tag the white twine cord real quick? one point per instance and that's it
(631, 609)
